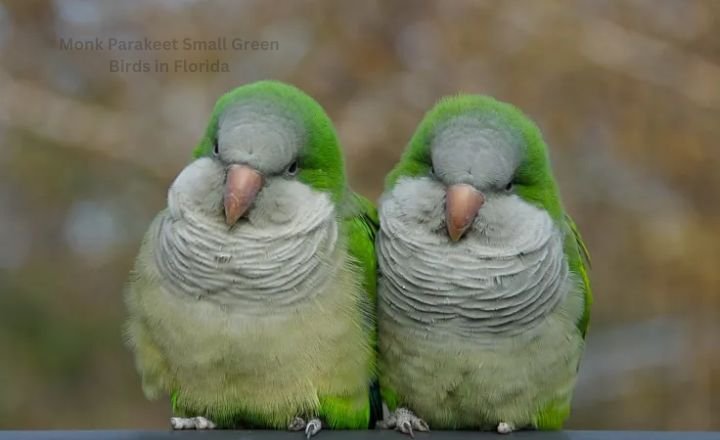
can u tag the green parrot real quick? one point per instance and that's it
(483, 292)
(251, 302)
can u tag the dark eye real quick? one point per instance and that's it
(432, 169)
(216, 148)
(292, 169)
(509, 186)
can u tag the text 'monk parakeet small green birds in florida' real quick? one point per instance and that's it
(483, 295)
(251, 301)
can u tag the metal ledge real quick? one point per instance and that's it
(354, 435)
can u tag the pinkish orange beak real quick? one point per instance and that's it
(241, 186)
(461, 207)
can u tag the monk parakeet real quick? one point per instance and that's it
(483, 295)
(251, 301)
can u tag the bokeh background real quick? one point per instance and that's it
(626, 92)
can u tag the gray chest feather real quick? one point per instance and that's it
(279, 256)
(502, 278)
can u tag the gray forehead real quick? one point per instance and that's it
(260, 134)
(476, 149)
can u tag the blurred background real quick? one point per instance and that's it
(627, 94)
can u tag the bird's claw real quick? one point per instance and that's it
(312, 427)
(298, 424)
(505, 428)
(405, 421)
(200, 423)
(406, 427)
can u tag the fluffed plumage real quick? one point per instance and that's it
(483, 295)
(252, 299)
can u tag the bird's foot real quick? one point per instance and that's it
(298, 424)
(405, 421)
(312, 427)
(179, 423)
(505, 428)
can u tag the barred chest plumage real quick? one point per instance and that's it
(505, 275)
(279, 256)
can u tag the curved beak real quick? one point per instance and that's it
(241, 186)
(461, 207)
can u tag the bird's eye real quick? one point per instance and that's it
(509, 186)
(432, 169)
(216, 148)
(292, 169)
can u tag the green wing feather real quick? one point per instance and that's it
(361, 223)
(579, 262)
(553, 415)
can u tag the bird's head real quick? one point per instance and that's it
(481, 151)
(265, 131)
